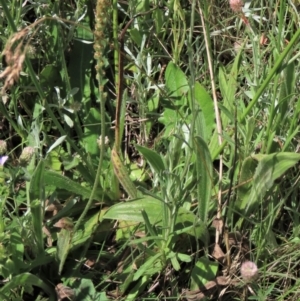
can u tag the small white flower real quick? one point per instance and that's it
(249, 271)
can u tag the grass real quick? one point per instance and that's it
(149, 150)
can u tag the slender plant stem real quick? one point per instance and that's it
(118, 73)
(218, 119)
(100, 29)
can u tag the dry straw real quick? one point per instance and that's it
(14, 53)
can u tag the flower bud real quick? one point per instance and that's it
(26, 155)
(3, 147)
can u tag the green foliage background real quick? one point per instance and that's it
(197, 174)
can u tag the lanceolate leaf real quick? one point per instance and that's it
(206, 115)
(186, 221)
(63, 246)
(153, 158)
(60, 181)
(204, 177)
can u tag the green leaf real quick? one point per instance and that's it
(25, 280)
(246, 177)
(203, 272)
(270, 167)
(80, 64)
(169, 118)
(228, 86)
(37, 184)
(207, 114)
(122, 174)
(63, 247)
(91, 131)
(174, 261)
(53, 161)
(136, 36)
(139, 287)
(16, 249)
(37, 197)
(60, 181)
(204, 177)
(184, 257)
(91, 225)
(176, 83)
(154, 159)
(50, 77)
(186, 221)
(149, 268)
(59, 141)
(85, 290)
(131, 210)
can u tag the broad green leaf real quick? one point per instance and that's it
(188, 223)
(204, 271)
(207, 113)
(136, 36)
(270, 167)
(131, 211)
(85, 290)
(177, 87)
(50, 77)
(91, 131)
(158, 19)
(169, 118)
(53, 161)
(62, 182)
(184, 257)
(204, 177)
(92, 224)
(246, 177)
(174, 261)
(153, 158)
(80, 64)
(68, 120)
(26, 280)
(17, 250)
(176, 83)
